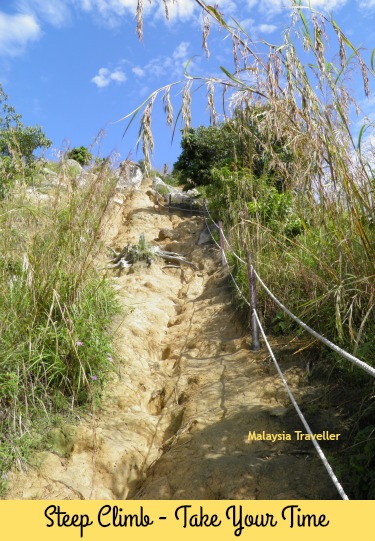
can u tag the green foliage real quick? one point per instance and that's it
(81, 154)
(276, 211)
(143, 167)
(362, 462)
(202, 149)
(172, 180)
(141, 252)
(236, 143)
(163, 190)
(279, 323)
(17, 145)
(241, 189)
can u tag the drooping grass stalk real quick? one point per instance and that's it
(295, 96)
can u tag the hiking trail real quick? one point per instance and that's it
(174, 422)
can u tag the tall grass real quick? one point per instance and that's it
(314, 263)
(292, 103)
(317, 250)
(55, 308)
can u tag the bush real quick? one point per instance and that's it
(17, 146)
(82, 155)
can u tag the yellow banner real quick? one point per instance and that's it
(185, 520)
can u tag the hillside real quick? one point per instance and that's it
(174, 422)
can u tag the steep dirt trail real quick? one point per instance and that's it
(174, 424)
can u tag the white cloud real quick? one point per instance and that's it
(173, 65)
(181, 51)
(227, 6)
(110, 12)
(266, 28)
(367, 4)
(139, 72)
(105, 77)
(105, 6)
(16, 31)
(185, 10)
(118, 76)
(167, 66)
(247, 24)
(55, 13)
(326, 5)
(178, 10)
(273, 7)
(250, 26)
(102, 79)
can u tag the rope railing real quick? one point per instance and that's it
(170, 207)
(206, 212)
(256, 322)
(361, 364)
(358, 362)
(254, 314)
(302, 417)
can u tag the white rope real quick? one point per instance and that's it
(210, 232)
(232, 251)
(226, 261)
(361, 364)
(306, 327)
(301, 416)
(235, 283)
(158, 202)
(366, 367)
(208, 212)
(224, 237)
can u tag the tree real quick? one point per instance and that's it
(17, 144)
(234, 144)
(202, 149)
(81, 154)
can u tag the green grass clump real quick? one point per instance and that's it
(55, 347)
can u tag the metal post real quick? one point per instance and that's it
(191, 207)
(169, 203)
(204, 209)
(223, 260)
(253, 305)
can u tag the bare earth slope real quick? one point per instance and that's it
(174, 424)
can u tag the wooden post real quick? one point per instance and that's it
(253, 305)
(243, 233)
(169, 203)
(157, 199)
(223, 260)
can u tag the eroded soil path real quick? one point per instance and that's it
(174, 424)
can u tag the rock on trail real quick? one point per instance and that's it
(174, 424)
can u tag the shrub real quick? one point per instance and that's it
(17, 146)
(82, 155)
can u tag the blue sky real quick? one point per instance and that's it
(75, 67)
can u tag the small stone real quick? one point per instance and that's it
(166, 234)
